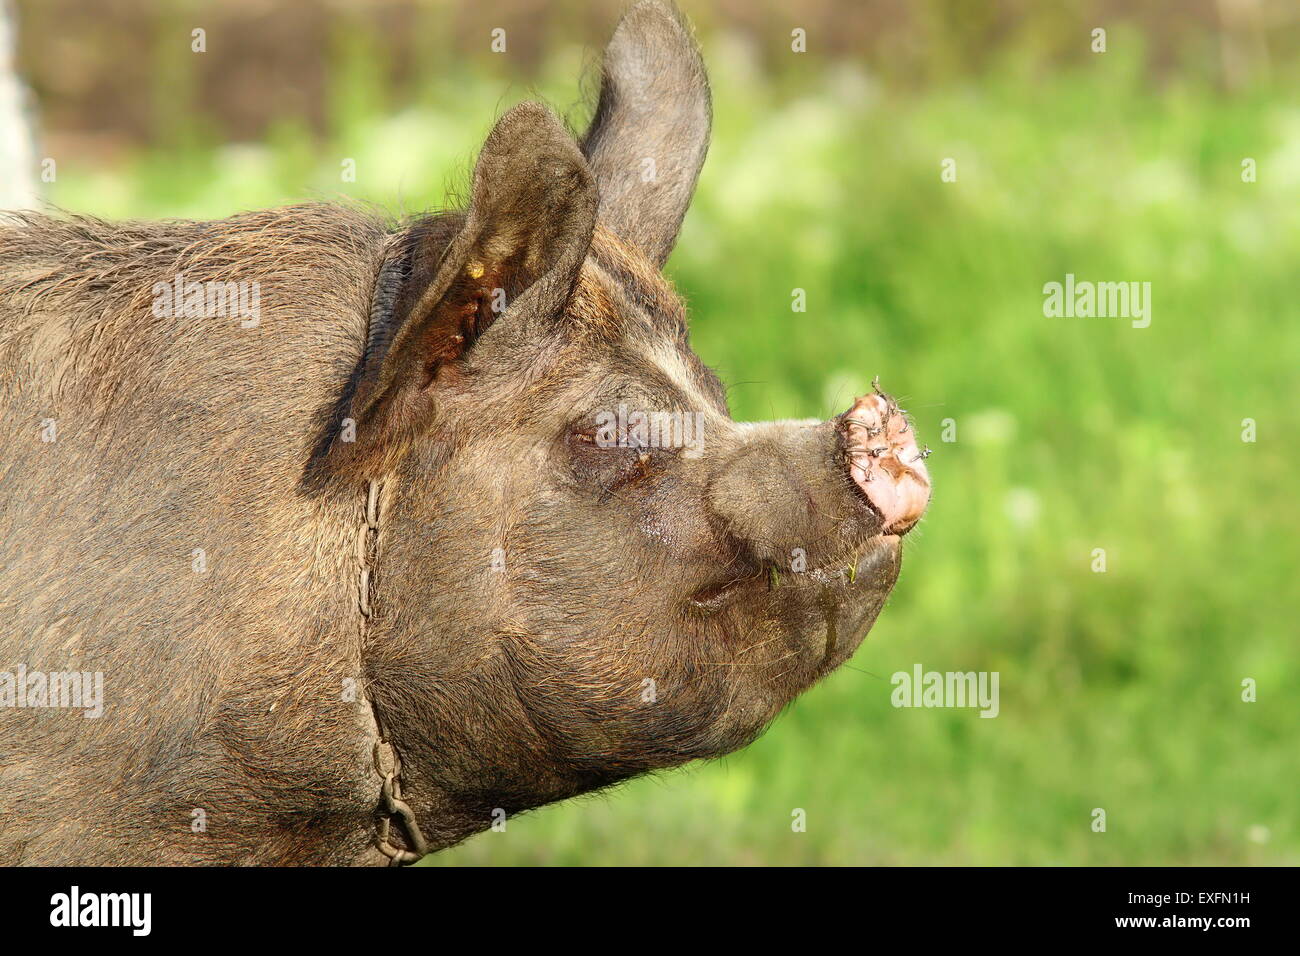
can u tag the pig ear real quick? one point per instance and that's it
(521, 245)
(648, 138)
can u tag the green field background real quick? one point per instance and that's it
(1120, 690)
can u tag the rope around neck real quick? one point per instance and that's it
(388, 762)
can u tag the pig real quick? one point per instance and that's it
(373, 534)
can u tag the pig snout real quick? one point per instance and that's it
(885, 463)
(822, 487)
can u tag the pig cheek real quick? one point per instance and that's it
(672, 519)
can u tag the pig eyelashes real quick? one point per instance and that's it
(610, 467)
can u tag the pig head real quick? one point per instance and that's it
(478, 531)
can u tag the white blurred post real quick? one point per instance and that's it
(17, 149)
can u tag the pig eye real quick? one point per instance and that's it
(604, 465)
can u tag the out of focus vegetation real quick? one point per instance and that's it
(1119, 690)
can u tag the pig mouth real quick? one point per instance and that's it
(822, 613)
(870, 567)
(885, 466)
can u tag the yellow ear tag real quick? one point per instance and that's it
(475, 270)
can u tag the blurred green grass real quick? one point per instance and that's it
(1119, 690)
